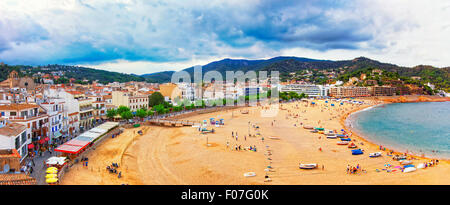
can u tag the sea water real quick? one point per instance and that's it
(419, 128)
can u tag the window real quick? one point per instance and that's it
(13, 113)
(24, 137)
(17, 143)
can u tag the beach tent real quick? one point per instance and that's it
(357, 152)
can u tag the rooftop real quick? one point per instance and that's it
(12, 129)
(16, 179)
(18, 106)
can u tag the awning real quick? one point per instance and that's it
(57, 134)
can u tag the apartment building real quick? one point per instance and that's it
(382, 90)
(134, 102)
(33, 117)
(308, 89)
(13, 136)
(343, 92)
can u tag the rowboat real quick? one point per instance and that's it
(409, 169)
(342, 143)
(375, 154)
(405, 162)
(308, 166)
(331, 137)
(274, 138)
(308, 127)
(399, 157)
(352, 145)
(249, 174)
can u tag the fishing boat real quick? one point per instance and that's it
(308, 166)
(399, 157)
(341, 136)
(352, 145)
(249, 174)
(331, 136)
(375, 154)
(274, 138)
(342, 143)
(357, 152)
(409, 169)
(405, 162)
(308, 127)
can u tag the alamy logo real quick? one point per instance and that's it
(236, 89)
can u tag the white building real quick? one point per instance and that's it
(308, 89)
(13, 136)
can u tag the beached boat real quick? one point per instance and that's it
(405, 162)
(346, 139)
(308, 166)
(274, 137)
(399, 157)
(352, 145)
(319, 128)
(409, 169)
(342, 143)
(421, 166)
(308, 127)
(341, 136)
(249, 174)
(375, 154)
(357, 152)
(331, 136)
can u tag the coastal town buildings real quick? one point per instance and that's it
(134, 102)
(346, 91)
(308, 89)
(13, 136)
(382, 91)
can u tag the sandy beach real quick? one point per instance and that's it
(179, 155)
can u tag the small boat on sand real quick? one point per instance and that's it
(249, 174)
(308, 166)
(308, 127)
(405, 162)
(399, 157)
(409, 169)
(274, 137)
(357, 152)
(342, 143)
(352, 145)
(375, 154)
(331, 136)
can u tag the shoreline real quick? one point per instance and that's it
(389, 148)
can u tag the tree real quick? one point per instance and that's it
(122, 109)
(111, 113)
(155, 99)
(126, 115)
(159, 109)
(141, 113)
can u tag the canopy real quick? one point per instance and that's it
(357, 152)
(57, 134)
(51, 176)
(51, 180)
(30, 146)
(51, 171)
(56, 161)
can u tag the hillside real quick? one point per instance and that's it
(344, 69)
(67, 72)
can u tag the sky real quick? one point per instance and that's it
(144, 36)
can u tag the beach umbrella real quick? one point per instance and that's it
(52, 168)
(51, 180)
(51, 171)
(51, 176)
(30, 146)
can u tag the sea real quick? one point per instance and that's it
(419, 128)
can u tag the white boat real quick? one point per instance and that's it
(409, 169)
(308, 166)
(249, 174)
(421, 166)
(375, 154)
(331, 137)
(342, 143)
(405, 162)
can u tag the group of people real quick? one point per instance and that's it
(354, 170)
(113, 169)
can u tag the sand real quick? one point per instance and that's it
(180, 155)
